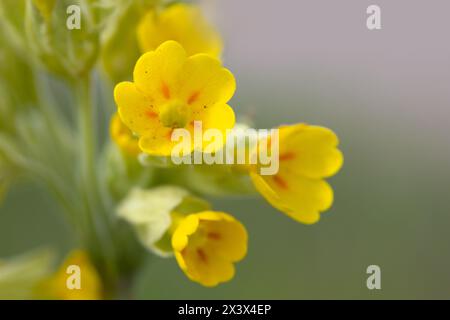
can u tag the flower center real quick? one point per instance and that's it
(175, 114)
(204, 235)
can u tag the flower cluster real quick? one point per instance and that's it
(125, 196)
(172, 90)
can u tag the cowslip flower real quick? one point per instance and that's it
(169, 221)
(183, 23)
(307, 155)
(90, 285)
(207, 244)
(170, 91)
(123, 137)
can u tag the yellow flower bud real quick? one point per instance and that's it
(86, 280)
(183, 23)
(123, 137)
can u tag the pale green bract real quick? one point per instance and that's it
(149, 212)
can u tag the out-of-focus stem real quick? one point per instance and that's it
(102, 246)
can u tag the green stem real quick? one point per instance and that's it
(102, 246)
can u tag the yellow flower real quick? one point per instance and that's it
(123, 136)
(307, 154)
(180, 22)
(206, 244)
(171, 90)
(56, 287)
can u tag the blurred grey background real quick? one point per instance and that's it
(386, 93)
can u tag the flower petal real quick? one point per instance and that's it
(185, 229)
(206, 244)
(158, 141)
(219, 117)
(156, 72)
(135, 109)
(299, 197)
(209, 274)
(309, 151)
(204, 82)
(227, 239)
(123, 136)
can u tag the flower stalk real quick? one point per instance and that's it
(97, 221)
(127, 197)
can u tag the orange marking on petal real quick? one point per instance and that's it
(287, 156)
(202, 255)
(193, 97)
(165, 90)
(280, 182)
(151, 114)
(214, 235)
(169, 134)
